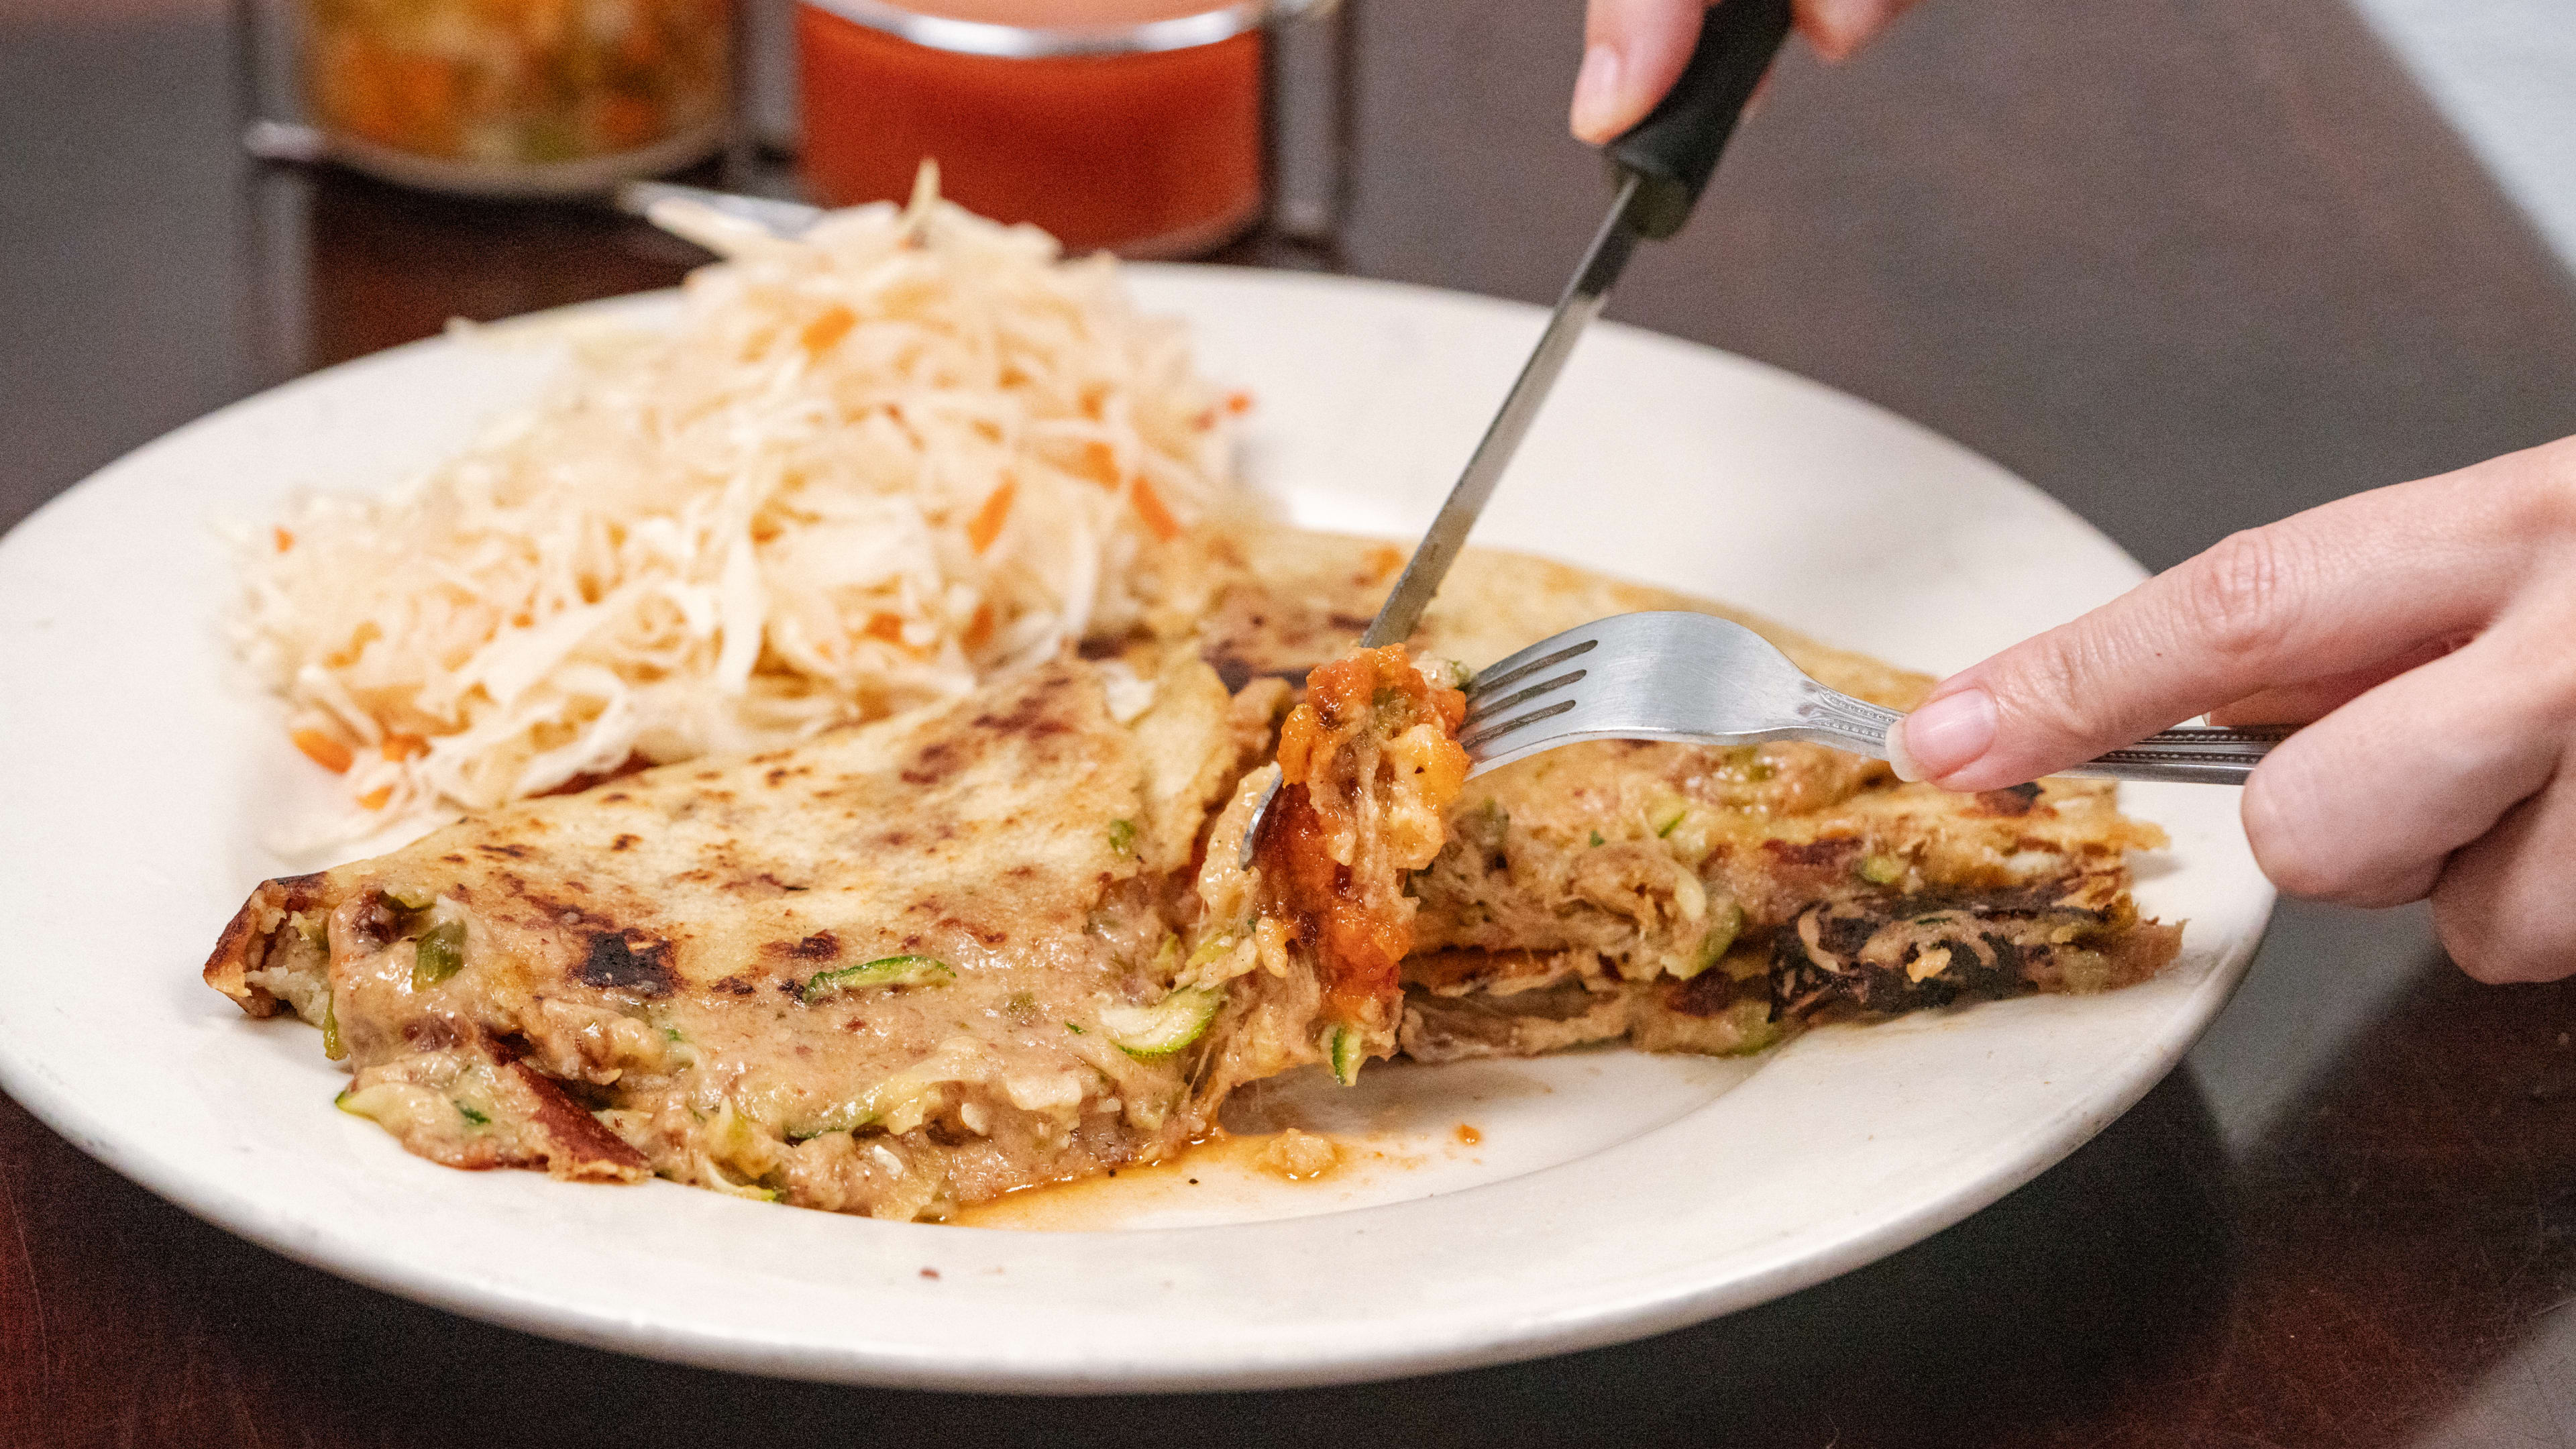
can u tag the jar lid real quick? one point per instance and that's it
(1037, 42)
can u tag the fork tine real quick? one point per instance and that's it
(1522, 665)
(1483, 703)
(1679, 676)
(1475, 742)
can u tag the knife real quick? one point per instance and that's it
(1659, 167)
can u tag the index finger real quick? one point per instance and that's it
(1633, 51)
(2335, 589)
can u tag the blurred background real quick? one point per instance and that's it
(2187, 265)
(2092, 185)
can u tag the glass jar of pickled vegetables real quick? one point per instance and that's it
(517, 97)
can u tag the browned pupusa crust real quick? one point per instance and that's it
(648, 950)
(248, 937)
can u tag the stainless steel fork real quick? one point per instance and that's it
(1704, 680)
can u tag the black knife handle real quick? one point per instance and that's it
(1673, 151)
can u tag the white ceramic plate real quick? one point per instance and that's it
(1611, 1194)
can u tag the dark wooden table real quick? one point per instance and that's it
(2189, 264)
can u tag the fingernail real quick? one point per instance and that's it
(1899, 758)
(1837, 27)
(1949, 733)
(1596, 94)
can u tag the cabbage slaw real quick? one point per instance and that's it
(868, 468)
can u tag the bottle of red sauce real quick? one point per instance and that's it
(1133, 126)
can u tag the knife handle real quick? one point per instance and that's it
(1673, 151)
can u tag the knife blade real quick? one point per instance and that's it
(1660, 166)
(1584, 296)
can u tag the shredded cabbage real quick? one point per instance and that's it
(868, 468)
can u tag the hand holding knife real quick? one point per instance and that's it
(1660, 167)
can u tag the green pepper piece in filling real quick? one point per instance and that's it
(1149, 1032)
(438, 954)
(1755, 1030)
(1714, 945)
(1210, 949)
(883, 971)
(1666, 812)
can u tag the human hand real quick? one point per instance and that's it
(2429, 631)
(1633, 51)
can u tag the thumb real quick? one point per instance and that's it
(1633, 51)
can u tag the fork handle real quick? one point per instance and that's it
(2192, 755)
(2189, 754)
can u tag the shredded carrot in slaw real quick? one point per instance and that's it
(986, 525)
(1149, 506)
(831, 327)
(1100, 464)
(323, 750)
